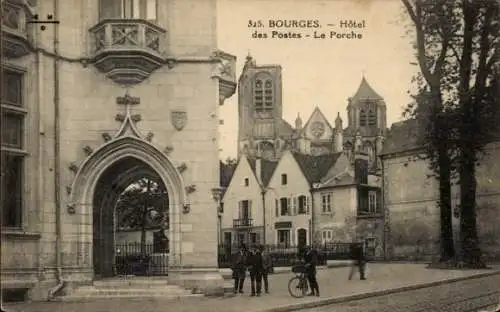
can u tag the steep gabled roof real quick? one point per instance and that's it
(226, 173)
(285, 129)
(322, 117)
(365, 92)
(266, 169)
(315, 167)
(345, 177)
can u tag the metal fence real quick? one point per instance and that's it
(129, 260)
(290, 255)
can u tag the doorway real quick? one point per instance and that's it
(301, 237)
(130, 202)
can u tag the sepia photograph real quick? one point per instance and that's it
(250, 155)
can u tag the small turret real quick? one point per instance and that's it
(298, 122)
(338, 122)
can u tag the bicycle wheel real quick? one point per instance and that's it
(297, 287)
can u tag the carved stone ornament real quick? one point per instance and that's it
(179, 119)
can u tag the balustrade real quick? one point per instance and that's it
(127, 51)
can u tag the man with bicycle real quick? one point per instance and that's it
(311, 260)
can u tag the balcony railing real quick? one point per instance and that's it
(239, 223)
(15, 29)
(128, 51)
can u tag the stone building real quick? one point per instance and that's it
(109, 95)
(243, 219)
(411, 193)
(263, 130)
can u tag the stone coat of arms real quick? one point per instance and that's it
(179, 119)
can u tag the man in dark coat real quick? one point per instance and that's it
(359, 261)
(239, 267)
(267, 263)
(311, 260)
(255, 267)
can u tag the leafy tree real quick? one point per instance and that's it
(143, 205)
(463, 37)
(431, 107)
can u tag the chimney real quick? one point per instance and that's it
(361, 167)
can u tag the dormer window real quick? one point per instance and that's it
(362, 118)
(128, 9)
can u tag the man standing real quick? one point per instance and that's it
(239, 269)
(359, 261)
(256, 268)
(311, 259)
(267, 264)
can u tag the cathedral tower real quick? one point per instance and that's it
(367, 121)
(261, 126)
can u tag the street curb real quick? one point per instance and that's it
(329, 301)
(226, 274)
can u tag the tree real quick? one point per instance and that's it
(469, 84)
(433, 46)
(143, 205)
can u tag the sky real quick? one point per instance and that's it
(319, 72)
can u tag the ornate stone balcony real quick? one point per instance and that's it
(226, 74)
(127, 51)
(16, 32)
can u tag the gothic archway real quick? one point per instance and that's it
(101, 179)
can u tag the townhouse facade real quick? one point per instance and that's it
(243, 218)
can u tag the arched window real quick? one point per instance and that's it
(269, 95)
(362, 118)
(258, 95)
(372, 118)
(128, 9)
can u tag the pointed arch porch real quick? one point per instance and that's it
(83, 189)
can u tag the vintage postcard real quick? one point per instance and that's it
(250, 155)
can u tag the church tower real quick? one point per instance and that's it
(260, 110)
(367, 121)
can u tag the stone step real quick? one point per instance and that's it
(131, 282)
(163, 296)
(131, 291)
(143, 288)
(228, 287)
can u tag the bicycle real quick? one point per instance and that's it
(298, 285)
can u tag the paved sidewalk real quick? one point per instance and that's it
(334, 286)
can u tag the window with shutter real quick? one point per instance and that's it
(289, 205)
(294, 206)
(308, 203)
(277, 206)
(250, 209)
(240, 210)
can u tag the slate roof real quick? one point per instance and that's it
(285, 129)
(403, 136)
(365, 91)
(266, 169)
(315, 167)
(226, 173)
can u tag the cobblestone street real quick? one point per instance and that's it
(333, 282)
(470, 295)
